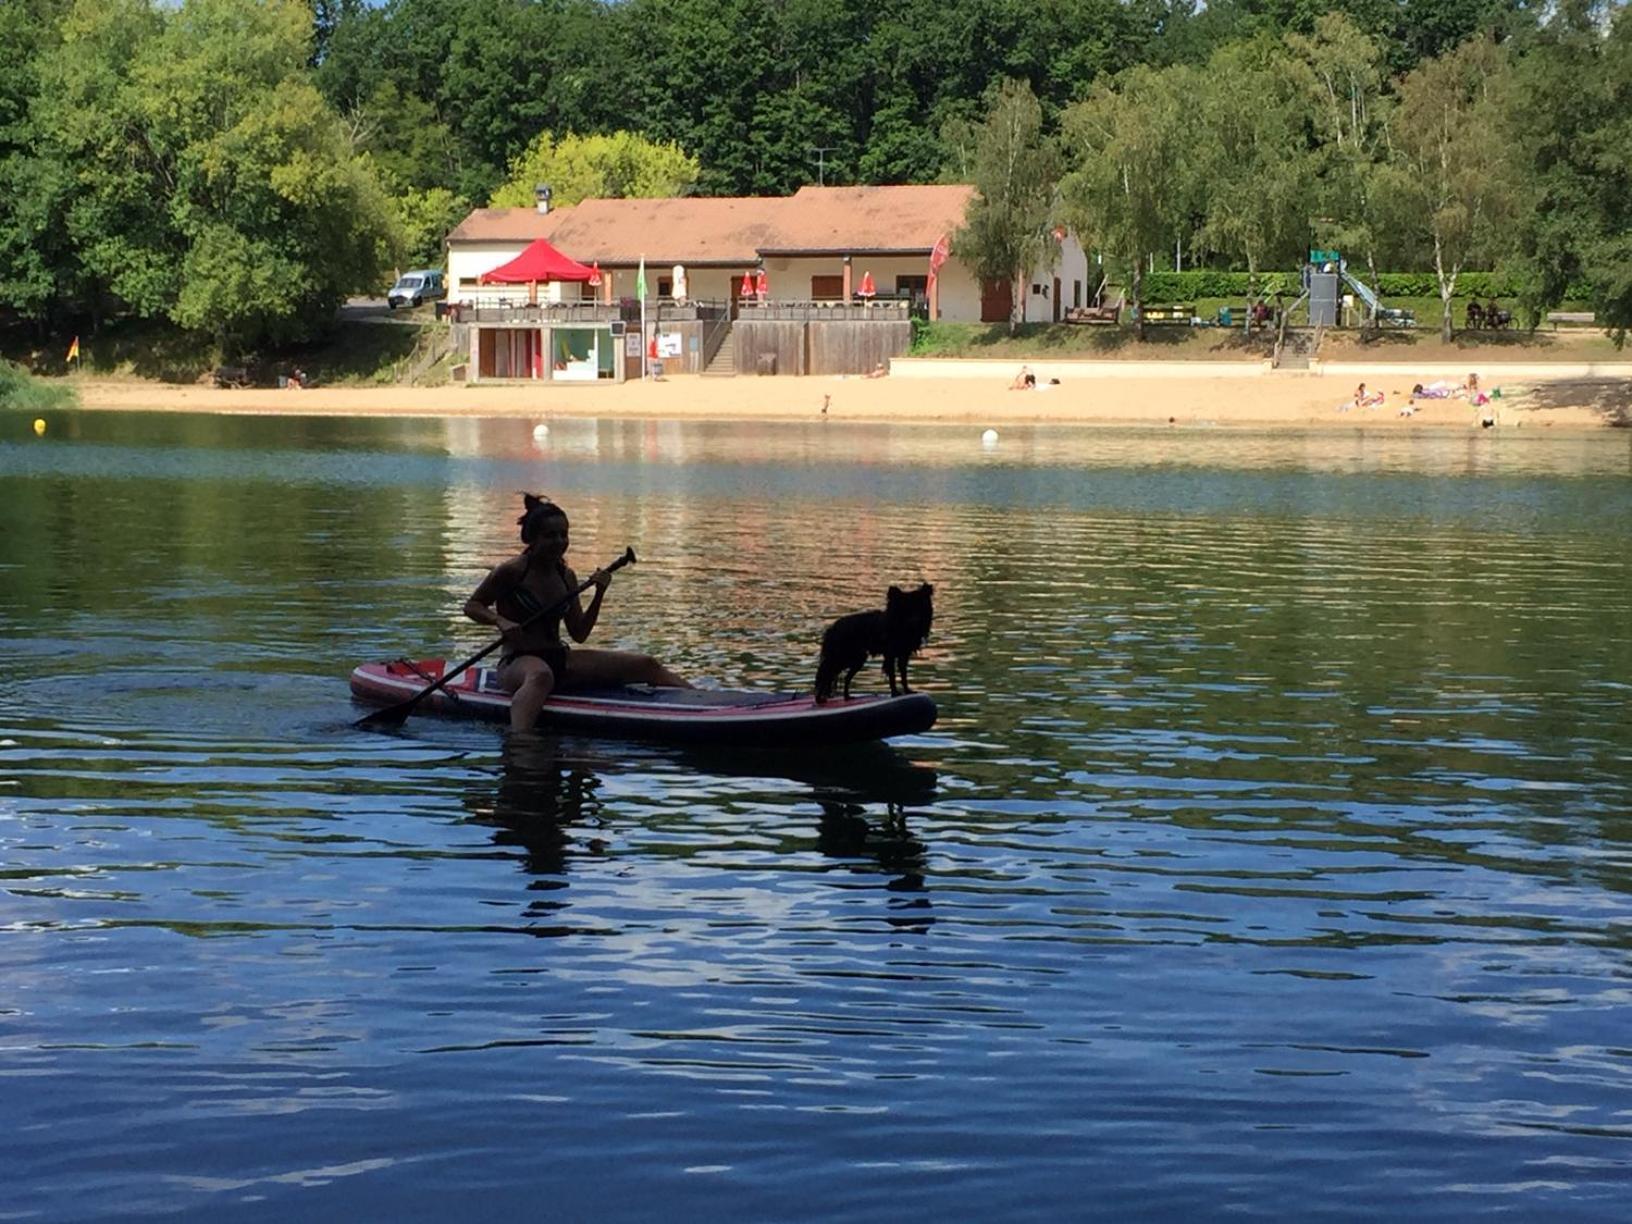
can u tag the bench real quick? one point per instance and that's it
(1111, 314)
(1169, 314)
(1578, 318)
(232, 376)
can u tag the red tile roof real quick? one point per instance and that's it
(733, 230)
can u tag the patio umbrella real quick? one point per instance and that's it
(595, 275)
(867, 289)
(747, 284)
(762, 286)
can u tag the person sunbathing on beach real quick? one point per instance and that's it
(1024, 381)
(1367, 399)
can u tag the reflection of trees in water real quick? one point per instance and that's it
(547, 803)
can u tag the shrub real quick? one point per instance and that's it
(24, 393)
(1164, 287)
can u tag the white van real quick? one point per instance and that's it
(414, 288)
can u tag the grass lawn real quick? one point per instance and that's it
(1167, 341)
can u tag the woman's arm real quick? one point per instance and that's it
(479, 607)
(580, 620)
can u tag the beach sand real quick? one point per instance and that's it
(1284, 400)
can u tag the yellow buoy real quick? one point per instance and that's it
(39, 426)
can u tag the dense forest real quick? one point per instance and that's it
(237, 167)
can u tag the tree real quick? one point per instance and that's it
(1577, 83)
(1007, 229)
(1133, 186)
(210, 182)
(1253, 156)
(622, 165)
(1453, 161)
(1340, 72)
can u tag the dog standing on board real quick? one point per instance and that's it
(897, 632)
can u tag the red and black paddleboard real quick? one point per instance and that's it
(695, 716)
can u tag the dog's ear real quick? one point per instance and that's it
(893, 596)
(928, 590)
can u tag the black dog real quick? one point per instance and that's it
(896, 633)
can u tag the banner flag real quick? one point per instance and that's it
(937, 257)
(73, 350)
(640, 280)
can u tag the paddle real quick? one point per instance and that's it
(396, 715)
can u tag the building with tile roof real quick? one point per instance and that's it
(814, 246)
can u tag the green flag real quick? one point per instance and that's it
(640, 280)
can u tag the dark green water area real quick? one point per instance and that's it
(1272, 855)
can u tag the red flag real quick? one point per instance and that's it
(937, 257)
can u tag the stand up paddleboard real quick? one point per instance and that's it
(692, 716)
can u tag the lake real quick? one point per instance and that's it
(1271, 856)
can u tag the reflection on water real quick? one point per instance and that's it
(1276, 814)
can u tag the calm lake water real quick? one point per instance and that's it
(1272, 855)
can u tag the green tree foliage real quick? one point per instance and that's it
(620, 165)
(1454, 167)
(1577, 134)
(1135, 184)
(1252, 156)
(35, 270)
(209, 182)
(1006, 232)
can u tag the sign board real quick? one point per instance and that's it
(631, 344)
(669, 344)
(1325, 257)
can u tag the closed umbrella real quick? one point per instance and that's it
(762, 286)
(867, 289)
(747, 284)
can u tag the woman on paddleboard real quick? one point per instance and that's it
(535, 661)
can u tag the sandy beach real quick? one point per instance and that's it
(1176, 397)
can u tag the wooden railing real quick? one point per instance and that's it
(895, 310)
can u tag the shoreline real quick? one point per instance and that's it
(1285, 400)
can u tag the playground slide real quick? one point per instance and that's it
(1363, 290)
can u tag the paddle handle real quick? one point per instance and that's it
(397, 714)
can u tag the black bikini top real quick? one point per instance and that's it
(520, 604)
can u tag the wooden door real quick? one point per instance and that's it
(996, 301)
(1056, 299)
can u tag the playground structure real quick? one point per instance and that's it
(1321, 278)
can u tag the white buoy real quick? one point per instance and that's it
(989, 438)
(540, 432)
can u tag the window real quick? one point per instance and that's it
(1076, 293)
(665, 286)
(915, 286)
(826, 288)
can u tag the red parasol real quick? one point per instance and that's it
(747, 284)
(762, 286)
(595, 275)
(867, 289)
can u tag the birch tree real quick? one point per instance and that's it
(1454, 153)
(1007, 230)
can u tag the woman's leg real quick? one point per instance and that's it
(529, 681)
(588, 666)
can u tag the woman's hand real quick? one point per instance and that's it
(504, 625)
(602, 579)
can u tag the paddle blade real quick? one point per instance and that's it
(388, 719)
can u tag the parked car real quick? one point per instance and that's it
(414, 288)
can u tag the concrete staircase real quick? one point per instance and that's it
(1299, 349)
(724, 364)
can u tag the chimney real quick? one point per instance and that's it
(541, 193)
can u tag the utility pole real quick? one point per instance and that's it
(820, 154)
